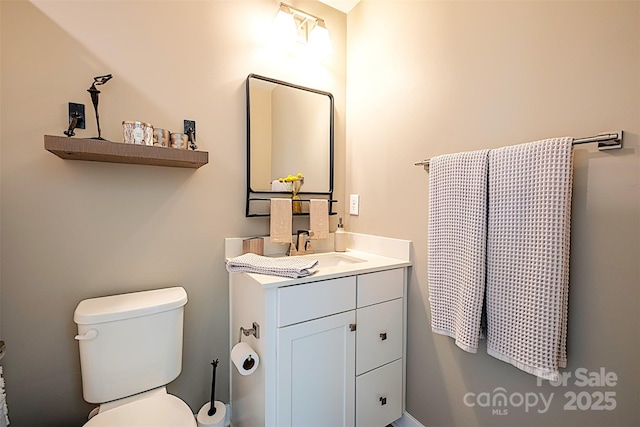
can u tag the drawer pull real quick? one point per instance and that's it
(383, 401)
(352, 327)
(383, 336)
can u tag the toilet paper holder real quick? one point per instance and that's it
(255, 331)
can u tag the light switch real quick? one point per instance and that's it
(354, 204)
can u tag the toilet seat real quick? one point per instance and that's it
(162, 410)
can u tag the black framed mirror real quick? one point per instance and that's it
(290, 131)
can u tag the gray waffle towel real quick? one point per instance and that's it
(528, 255)
(293, 266)
(457, 245)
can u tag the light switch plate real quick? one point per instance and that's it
(354, 204)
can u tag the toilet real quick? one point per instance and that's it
(130, 349)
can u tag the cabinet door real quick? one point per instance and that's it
(379, 335)
(379, 396)
(316, 373)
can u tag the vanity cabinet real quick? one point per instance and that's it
(331, 351)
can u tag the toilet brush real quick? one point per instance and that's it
(212, 414)
(212, 406)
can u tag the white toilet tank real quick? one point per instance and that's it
(130, 343)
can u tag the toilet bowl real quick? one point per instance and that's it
(158, 409)
(130, 349)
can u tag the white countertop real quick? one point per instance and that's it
(376, 254)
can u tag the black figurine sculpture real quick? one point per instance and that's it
(97, 81)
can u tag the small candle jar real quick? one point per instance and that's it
(135, 132)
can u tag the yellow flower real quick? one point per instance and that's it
(291, 179)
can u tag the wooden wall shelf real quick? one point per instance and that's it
(114, 152)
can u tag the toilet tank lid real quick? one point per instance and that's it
(126, 306)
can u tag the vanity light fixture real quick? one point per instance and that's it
(294, 24)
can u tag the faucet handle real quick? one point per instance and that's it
(307, 247)
(292, 251)
(304, 241)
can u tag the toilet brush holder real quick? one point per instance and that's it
(215, 420)
(212, 413)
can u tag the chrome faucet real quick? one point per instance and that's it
(303, 243)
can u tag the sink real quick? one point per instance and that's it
(333, 259)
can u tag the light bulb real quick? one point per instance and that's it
(284, 27)
(320, 41)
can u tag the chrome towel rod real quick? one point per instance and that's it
(606, 141)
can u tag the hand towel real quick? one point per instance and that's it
(457, 245)
(281, 221)
(276, 185)
(528, 255)
(293, 266)
(319, 218)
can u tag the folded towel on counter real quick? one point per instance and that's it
(319, 218)
(457, 245)
(281, 221)
(528, 255)
(293, 266)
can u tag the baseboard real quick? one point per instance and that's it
(407, 421)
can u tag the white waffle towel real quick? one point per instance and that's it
(4, 412)
(528, 255)
(292, 266)
(457, 245)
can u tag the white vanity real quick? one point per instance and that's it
(331, 345)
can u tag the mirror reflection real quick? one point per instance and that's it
(289, 132)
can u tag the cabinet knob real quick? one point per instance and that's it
(352, 327)
(383, 401)
(383, 336)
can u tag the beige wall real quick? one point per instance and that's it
(73, 230)
(428, 78)
(425, 78)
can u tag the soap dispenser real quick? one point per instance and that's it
(340, 238)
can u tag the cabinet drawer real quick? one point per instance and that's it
(380, 286)
(379, 335)
(314, 300)
(379, 396)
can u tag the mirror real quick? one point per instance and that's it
(289, 131)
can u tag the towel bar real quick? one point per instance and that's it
(264, 199)
(605, 140)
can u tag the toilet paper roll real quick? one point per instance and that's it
(244, 358)
(215, 420)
